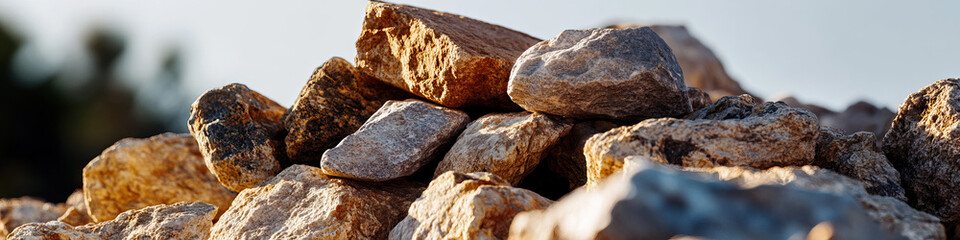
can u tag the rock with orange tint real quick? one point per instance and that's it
(698, 98)
(240, 133)
(455, 61)
(76, 213)
(476, 205)
(176, 221)
(136, 173)
(24, 210)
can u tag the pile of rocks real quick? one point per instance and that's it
(450, 127)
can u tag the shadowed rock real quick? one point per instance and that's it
(566, 159)
(77, 213)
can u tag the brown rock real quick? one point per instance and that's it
(857, 156)
(20, 211)
(509, 145)
(923, 143)
(698, 98)
(734, 131)
(76, 213)
(302, 202)
(466, 206)
(137, 173)
(449, 59)
(177, 221)
(861, 116)
(566, 159)
(240, 135)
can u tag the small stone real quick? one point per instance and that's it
(617, 74)
(466, 205)
(923, 144)
(331, 106)
(240, 134)
(455, 61)
(76, 213)
(301, 202)
(698, 98)
(509, 145)
(566, 159)
(653, 202)
(20, 211)
(178, 221)
(857, 156)
(136, 173)
(395, 142)
(734, 131)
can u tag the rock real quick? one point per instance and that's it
(466, 205)
(923, 143)
(861, 116)
(857, 156)
(76, 213)
(136, 173)
(20, 211)
(331, 106)
(617, 74)
(178, 221)
(455, 61)
(698, 98)
(240, 134)
(793, 102)
(701, 67)
(734, 131)
(509, 145)
(302, 202)
(566, 159)
(653, 202)
(395, 142)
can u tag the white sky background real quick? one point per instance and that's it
(825, 52)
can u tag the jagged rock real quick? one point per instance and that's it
(734, 131)
(178, 221)
(619, 74)
(509, 145)
(302, 202)
(240, 134)
(20, 211)
(395, 142)
(857, 156)
(76, 213)
(136, 173)
(653, 202)
(698, 98)
(476, 205)
(449, 59)
(566, 159)
(861, 116)
(923, 143)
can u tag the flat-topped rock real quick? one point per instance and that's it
(187, 220)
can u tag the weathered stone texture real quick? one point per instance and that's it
(857, 156)
(178, 221)
(20, 211)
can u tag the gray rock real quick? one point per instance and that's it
(177, 221)
(509, 145)
(240, 135)
(395, 142)
(619, 74)
(857, 156)
(652, 202)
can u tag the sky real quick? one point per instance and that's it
(825, 52)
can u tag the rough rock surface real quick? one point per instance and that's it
(240, 134)
(449, 59)
(20, 211)
(509, 145)
(857, 156)
(698, 98)
(860, 116)
(395, 142)
(734, 131)
(333, 104)
(178, 221)
(137, 173)
(76, 213)
(619, 74)
(466, 206)
(658, 203)
(566, 159)
(302, 202)
(923, 143)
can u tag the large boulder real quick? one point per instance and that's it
(136, 173)
(395, 142)
(302, 202)
(509, 145)
(178, 221)
(466, 206)
(240, 133)
(455, 61)
(734, 131)
(20, 211)
(618, 74)
(857, 156)
(923, 143)
(653, 202)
